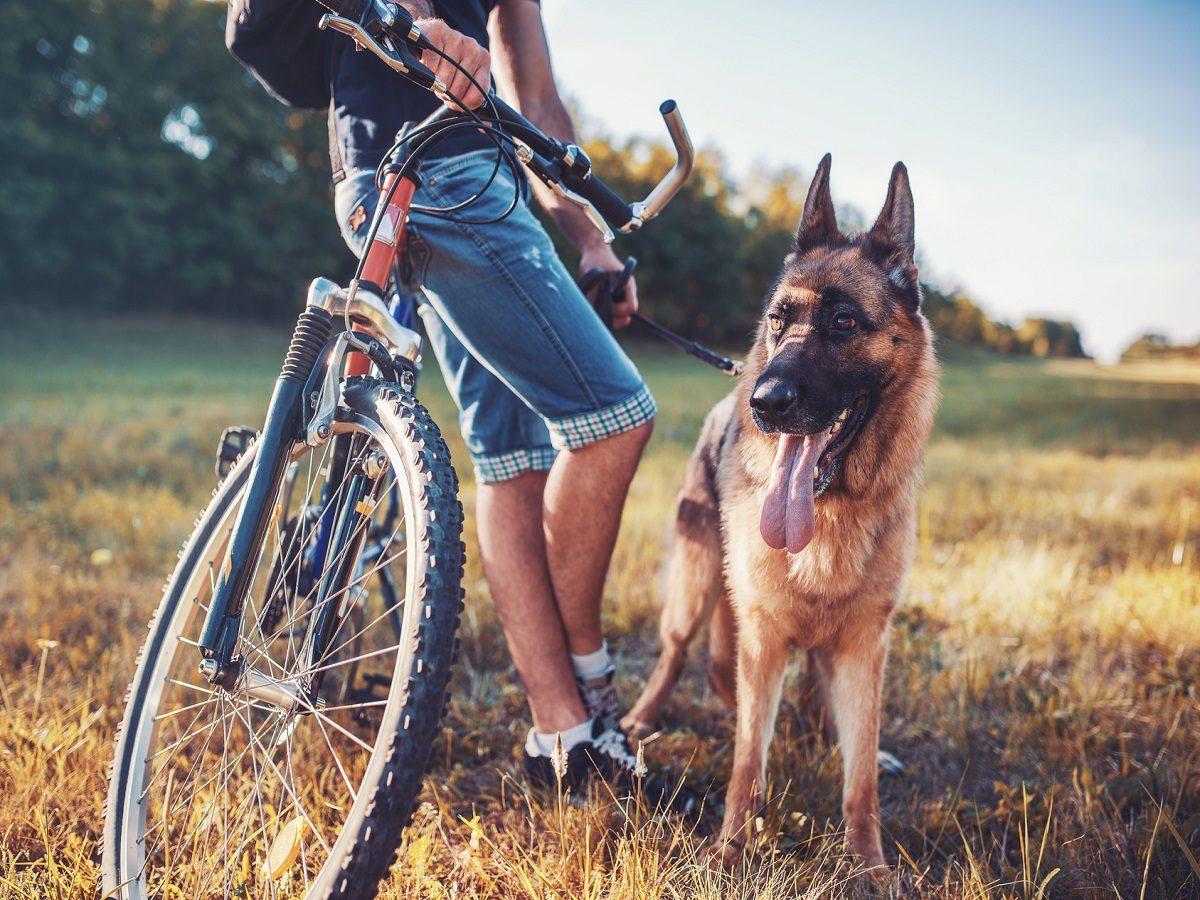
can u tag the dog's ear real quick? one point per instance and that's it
(892, 239)
(818, 223)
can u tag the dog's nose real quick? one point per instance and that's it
(773, 398)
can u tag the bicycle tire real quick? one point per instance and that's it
(366, 845)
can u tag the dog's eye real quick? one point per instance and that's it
(774, 323)
(843, 321)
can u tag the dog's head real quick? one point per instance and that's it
(841, 322)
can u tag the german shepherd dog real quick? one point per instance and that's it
(796, 522)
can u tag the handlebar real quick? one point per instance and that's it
(387, 31)
(685, 158)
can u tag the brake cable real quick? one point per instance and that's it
(610, 285)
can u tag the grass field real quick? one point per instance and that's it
(1043, 685)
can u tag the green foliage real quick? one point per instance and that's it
(956, 317)
(147, 170)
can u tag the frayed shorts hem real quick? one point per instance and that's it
(572, 433)
(578, 431)
(495, 467)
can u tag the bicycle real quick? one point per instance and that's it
(280, 720)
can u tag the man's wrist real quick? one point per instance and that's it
(596, 254)
(591, 248)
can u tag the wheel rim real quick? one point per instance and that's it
(229, 794)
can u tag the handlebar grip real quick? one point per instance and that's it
(616, 212)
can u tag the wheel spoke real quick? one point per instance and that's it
(336, 759)
(395, 606)
(226, 780)
(345, 662)
(321, 717)
(294, 797)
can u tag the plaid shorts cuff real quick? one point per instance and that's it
(503, 466)
(579, 431)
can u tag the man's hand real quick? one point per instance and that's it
(466, 52)
(600, 256)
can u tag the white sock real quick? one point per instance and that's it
(594, 664)
(542, 744)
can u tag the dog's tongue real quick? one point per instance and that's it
(787, 512)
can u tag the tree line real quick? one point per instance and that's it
(1159, 347)
(148, 171)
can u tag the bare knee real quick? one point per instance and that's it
(523, 489)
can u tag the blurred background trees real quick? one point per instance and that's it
(957, 317)
(145, 170)
(1159, 347)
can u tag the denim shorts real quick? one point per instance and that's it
(531, 367)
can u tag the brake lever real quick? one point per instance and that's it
(551, 177)
(401, 22)
(394, 60)
(589, 211)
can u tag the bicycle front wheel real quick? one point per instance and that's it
(300, 780)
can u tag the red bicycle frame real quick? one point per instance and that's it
(384, 249)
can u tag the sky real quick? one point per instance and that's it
(1053, 148)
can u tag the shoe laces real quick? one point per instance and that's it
(613, 744)
(600, 698)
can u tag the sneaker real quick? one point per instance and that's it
(608, 756)
(599, 697)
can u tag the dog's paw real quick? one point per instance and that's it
(721, 854)
(880, 873)
(635, 728)
(889, 764)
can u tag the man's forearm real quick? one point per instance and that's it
(522, 59)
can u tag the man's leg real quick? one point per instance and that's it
(514, 308)
(513, 550)
(511, 449)
(585, 494)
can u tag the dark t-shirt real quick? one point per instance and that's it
(371, 102)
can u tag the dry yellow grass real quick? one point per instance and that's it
(1042, 687)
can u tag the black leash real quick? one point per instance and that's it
(602, 288)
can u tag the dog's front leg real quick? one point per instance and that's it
(855, 690)
(761, 658)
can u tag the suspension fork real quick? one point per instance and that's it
(285, 419)
(339, 456)
(343, 532)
